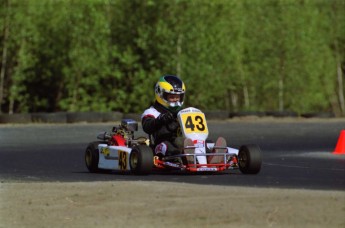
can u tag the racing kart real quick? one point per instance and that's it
(120, 150)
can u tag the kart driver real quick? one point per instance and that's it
(160, 120)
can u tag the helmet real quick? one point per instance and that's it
(169, 84)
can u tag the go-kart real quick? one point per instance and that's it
(119, 150)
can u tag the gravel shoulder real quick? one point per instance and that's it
(157, 204)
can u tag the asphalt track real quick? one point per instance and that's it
(296, 154)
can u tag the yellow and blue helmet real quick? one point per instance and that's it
(170, 84)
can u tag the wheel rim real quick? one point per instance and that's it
(243, 159)
(134, 160)
(88, 158)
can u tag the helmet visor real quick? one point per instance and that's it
(173, 99)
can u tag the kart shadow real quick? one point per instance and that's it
(192, 174)
(162, 173)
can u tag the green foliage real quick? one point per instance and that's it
(95, 55)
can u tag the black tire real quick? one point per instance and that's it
(141, 160)
(249, 159)
(92, 157)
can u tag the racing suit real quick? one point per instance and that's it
(162, 125)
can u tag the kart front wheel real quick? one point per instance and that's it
(249, 159)
(141, 160)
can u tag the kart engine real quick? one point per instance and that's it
(123, 134)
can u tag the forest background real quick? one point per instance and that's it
(233, 55)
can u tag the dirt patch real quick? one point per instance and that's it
(157, 204)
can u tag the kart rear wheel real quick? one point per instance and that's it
(92, 157)
(249, 159)
(141, 159)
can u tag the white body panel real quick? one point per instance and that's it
(114, 157)
(194, 126)
(193, 123)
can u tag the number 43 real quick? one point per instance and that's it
(199, 123)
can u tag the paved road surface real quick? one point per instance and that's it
(296, 154)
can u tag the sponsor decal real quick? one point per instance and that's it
(189, 110)
(206, 169)
(105, 151)
(199, 143)
(171, 164)
(184, 111)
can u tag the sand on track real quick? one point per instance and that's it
(165, 204)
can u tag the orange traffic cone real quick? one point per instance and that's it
(340, 148)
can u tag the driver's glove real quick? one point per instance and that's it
(165, 118)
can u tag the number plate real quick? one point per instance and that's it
(122, 160)
(194, 123)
